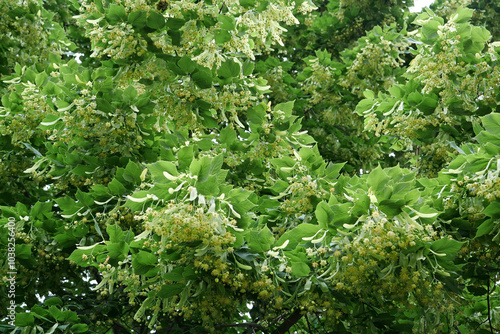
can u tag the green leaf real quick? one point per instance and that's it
(202, 79)
(391, 207)
(279, 187)
(430, 29)
(79, 328)
(227, 136)
(229, 69)
(138, 19)
(174, 275)
(480, 34)
(186, 64)
(65, 240)
(82, 256)
(216, 164)
(56, 313)
(143, 262)
(69, 316)
(116, 188)
(221, 36)
(396, 91)
(83, 170)
(185, 157)
(332, 171)
(118, 250)
(129, 94)
(190, 273)
(485, 137)
(493, 210)
(485, 228)
(170, 290)
(491, 123)
(323, 214)
(200, 168)
(462, 15)
(261, 241)
(157, 21)
(175, 23)
(146, 258)
(248, 68)
(67, 204)
(369, 94)
(116, 13)
(365, 106)
(361, 205)
(300, 269)
(428, 105)
(341, 214)
(115, 233)
(491, 148)
(53, 301)
(447, 246)
(159, 167)
(477, 291)
(133, 172)
(49, 121)
(41, 210)
(295, 235)
(80, 230)
(24, 319)
(40, 78)
(377, 179)
(287, 107)
(100, 191)
(209, 187)
(227, 22)
(84, 198)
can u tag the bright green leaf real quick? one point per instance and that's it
(260, 241)
(156, 21)
(24, 319)
(300, 269)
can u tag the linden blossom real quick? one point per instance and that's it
(218, 166)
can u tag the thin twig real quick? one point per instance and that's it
(489, 305)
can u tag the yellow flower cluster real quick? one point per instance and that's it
(374, 64)
(27, 35)
(203, 242)
(182, 223)
(375, 259)
(439, 70)
(21, 127)
(487, 186)
(299, 198)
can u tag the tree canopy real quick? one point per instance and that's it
(218, 166)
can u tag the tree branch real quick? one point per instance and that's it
(241, 324)
(289, 322)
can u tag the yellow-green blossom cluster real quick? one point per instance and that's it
(253, 31)
(374, 64)
(377, 258)
(184, 223)
(27, 35)
(439, 70)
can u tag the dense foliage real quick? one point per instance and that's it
(249, 166)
